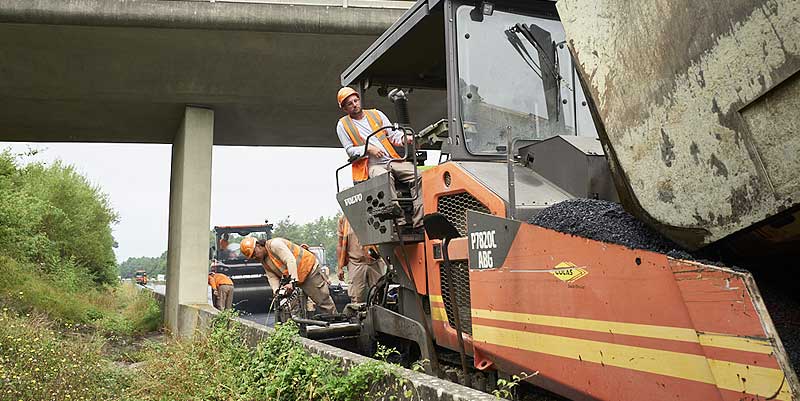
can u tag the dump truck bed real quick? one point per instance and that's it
(697, 108)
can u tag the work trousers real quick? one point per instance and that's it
(316, 288)
(362, 277)
(402, 172)
(225, 297)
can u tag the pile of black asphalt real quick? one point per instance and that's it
(605, 221)
(784, 309)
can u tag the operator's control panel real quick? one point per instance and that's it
(359, 204)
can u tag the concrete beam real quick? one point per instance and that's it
(269, 71)
(189, 218)
(287, 18)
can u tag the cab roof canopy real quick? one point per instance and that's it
(411, 53)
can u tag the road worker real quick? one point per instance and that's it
(355, 127)
(222, 290)
(363, 270)
(310, 306)
(224, 241)
(282, 258)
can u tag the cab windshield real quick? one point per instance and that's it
(515, 71)
(228, 244)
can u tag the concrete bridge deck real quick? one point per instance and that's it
(189, 73)
(123, 71)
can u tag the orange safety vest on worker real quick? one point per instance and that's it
(217, 279)
(361, 166)
(347, 251)
(305, 260)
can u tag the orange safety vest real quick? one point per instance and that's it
(218, 279)
(361, 166)
(305, 261)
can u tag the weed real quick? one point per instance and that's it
(505, 388)
(220, 366)
(120, 310)
(38, 364)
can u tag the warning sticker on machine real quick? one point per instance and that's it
(568, 272)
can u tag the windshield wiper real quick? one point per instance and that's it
(541, 40)
(544, 55)
(517, 44)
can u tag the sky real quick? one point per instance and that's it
(136, 179)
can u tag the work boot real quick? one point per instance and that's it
(389, 212)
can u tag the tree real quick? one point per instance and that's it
(321, 231)
(152, 265)
(52, 215)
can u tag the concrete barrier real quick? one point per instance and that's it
(424, 387)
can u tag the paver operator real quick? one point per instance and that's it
(363, 271)
(283, 258)
(222, 290)
(354, 128)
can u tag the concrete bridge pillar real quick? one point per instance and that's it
(189, 219)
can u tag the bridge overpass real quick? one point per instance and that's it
(189, 73)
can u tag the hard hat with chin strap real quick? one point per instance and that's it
(248, 246)
(344, 93)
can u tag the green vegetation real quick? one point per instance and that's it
(113, 311)
(321, 231)
(221, 367)
(37, 362)
(61, 302)
(42, 360)
(53, 216)
(318, 232)
(70, 331)
(153, 266)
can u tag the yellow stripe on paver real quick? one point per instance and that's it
(633, 329)
(734, 342)
(732, 376)
(438, 314)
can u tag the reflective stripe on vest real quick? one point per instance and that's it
(305, 261)
(351, 130)
(375, 122)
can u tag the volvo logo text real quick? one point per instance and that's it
(352, 200)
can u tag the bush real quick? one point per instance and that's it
(25, 288)
(123, 310)
(221, 366)
(53, 215)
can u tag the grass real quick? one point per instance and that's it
(221, 366)
(61, 338)
(122, 310)
(38, 363)
(60, 334)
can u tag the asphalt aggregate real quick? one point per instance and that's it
(781, 298)
(605, 221)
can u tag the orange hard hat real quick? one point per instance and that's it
(344, 93)
(248, 246)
